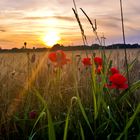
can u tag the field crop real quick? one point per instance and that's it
(67, 95)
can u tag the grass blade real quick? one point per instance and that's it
(51, 131)
(129, 123)
(82, 132)
(131, 90)
(84, 113)
(66, 125)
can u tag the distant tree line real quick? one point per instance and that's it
(71, 48)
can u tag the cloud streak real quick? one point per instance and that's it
(2, 30)
(50, 17)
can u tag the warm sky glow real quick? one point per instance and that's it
(30, 20)
(51, 38)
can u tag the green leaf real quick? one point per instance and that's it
(66, 125)
(130, 66)
(51, 131)
(37, 120)
(84, 114)
(129, 123)
(82, 132)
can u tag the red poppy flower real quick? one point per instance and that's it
(86, 61)
(99, 69)
(59, 57)
(118, 81)
(63, 62)
(98, 60)
(113, 70)
(52, 56)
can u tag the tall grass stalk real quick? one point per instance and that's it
(124, 41)
(93, 28)
(81, 28)
(80, 25)
(78, 20)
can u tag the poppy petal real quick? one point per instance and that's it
(52, 56)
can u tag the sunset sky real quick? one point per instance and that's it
(34, 20)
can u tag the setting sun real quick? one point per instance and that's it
(51, 38)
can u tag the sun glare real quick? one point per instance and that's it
(51, 38)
